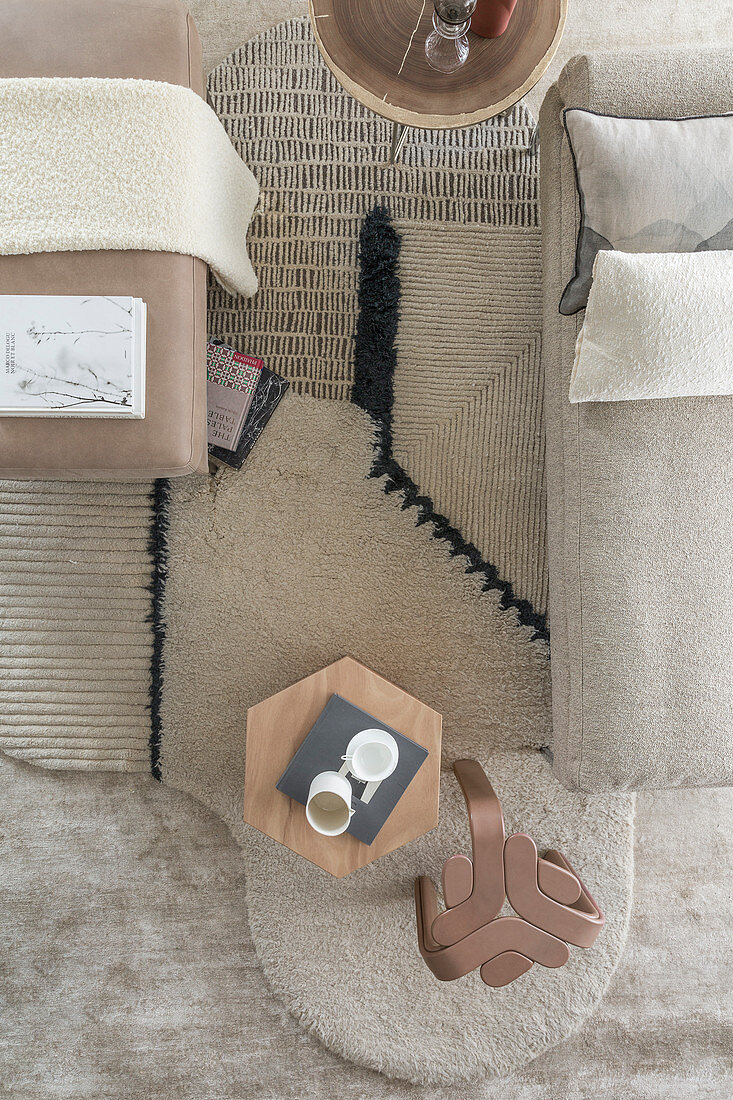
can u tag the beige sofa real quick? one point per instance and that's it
(154, 40)
(639, 503)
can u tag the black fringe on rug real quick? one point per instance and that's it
(373, 391)
(158, 547)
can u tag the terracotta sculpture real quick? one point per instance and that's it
(553, 906)
(491, 17)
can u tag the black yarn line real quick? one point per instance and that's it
(373, 391)
(158, 548)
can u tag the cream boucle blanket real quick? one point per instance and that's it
(90, 164)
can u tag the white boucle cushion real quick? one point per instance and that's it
(656, 325)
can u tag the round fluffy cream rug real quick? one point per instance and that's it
(275, 572)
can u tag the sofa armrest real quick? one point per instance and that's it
(664, 83)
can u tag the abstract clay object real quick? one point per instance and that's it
(491, 17)
(553, 906)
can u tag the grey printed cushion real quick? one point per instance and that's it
(648, 185)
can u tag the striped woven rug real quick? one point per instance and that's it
(76, 571)
(76, 641)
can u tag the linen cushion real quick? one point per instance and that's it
(648, 185)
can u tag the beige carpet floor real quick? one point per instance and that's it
(128, 973)
(156, 1022)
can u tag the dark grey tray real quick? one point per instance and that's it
(322, 750)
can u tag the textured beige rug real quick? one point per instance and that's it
(465, 411)
(140, 980)
(283, 568)
(466, 408)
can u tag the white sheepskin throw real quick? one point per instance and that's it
(92, 164)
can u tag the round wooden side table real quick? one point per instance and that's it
(376, 50)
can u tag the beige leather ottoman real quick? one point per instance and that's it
(145, 39)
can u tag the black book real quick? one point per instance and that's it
(265, 400)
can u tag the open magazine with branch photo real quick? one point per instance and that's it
(72, 356)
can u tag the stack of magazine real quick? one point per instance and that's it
(242, 395)
(72, 355)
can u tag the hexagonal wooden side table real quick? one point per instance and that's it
(276, 728)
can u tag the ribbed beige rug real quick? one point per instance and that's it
(76, 642)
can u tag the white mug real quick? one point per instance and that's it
(328, 808)
(372, 755)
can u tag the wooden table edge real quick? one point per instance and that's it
(418, 120)
(356, 867)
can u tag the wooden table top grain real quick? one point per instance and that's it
(277, 727)
(375, 49)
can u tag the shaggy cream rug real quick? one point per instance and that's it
(283, 568)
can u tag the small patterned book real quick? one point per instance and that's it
(232, 368)
(232, 379)
(267, 396)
